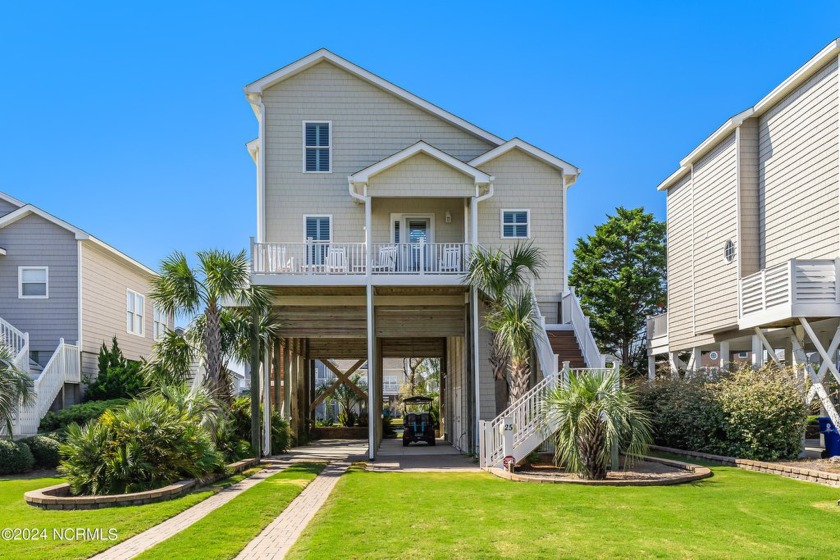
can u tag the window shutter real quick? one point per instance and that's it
(396, 232)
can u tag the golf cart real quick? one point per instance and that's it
(418, 424)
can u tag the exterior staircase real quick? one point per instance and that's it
(63, 367)
(521, 428)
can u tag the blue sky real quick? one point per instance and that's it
(131, 123)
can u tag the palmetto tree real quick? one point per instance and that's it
(513, 322)
(16, 388)
(220, 278)
(593, 413)
(497, 274)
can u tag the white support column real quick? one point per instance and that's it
(651, 367)
(368, 237)
(757, 351)
(723, 354)
(769, 347)
(476, 357)
(474, 221)
(371, 365)
(817, 388)
(676, 363)
(266, 392)
(695, 360)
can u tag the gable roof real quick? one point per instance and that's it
(80, 234)
(832, 50)
(322, 55)
(516, 143)
(364, 175)
(11, 200)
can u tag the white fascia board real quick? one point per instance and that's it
(570, 171)
(363, 176)
(11, 200)
(253, 148)
(779, 92)
(673, 178)
(80, 234)
(256, 88)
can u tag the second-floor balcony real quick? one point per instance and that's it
(796, 288)
(657, 333)
(319, 262)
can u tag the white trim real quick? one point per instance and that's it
(779, 92)
(502, 223)
(320, 55)
(80, 275)
(158, 313)
(46, 270)
(80, 234)
(403, 219)
(330, 216)
(11, 200)
(329, 147)
(142, 333)
(517, 143)
(2, 252)
(363, 176)
(565, 239)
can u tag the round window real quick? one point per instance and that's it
(713, 355)
(729, 251)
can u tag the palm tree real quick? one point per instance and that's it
(497, 273)
(593, 414)
(513, 323)
(16, 389)
(221, 278)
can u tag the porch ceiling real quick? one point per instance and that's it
(356, 348)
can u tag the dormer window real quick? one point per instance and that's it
(317, 147)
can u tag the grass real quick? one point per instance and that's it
(735, 514)
(127, 521)
(226, 531)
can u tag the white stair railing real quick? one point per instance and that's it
(523, 421)
(573, 314)
(64, 367)
(548, 360)
(18, 342)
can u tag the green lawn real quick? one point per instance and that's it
(226, 531)
(735, 514)
(128, 521)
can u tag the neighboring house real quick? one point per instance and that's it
(754, 233)
(369, 203)
(63, 293)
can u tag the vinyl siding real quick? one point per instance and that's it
(486, 381)
(522, 182)
(6, 207)
(748, 248)
(34, 241)
(368, 125)
(421, 175)
(715, 280)
(105, 279)
(798, 172)
(452, 232)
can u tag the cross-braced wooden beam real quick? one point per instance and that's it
(817, 387)
(341, 377)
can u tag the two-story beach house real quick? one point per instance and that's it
(369, 203)
(754, 234)
(63, 293)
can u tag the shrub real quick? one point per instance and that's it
(240, 415)
(750, 414)
(118, 378)
(45, 450)
(15, 457)
(387, 428)
(77, 414)
(148, 443)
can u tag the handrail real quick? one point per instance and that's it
(548, 360)
(18, 342)
(64, 367)
(573, 313)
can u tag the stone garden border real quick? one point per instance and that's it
(59, 497)
(787, 471)
(692, 473)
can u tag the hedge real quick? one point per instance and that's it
(15, 457)
(77, 414)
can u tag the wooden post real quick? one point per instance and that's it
(266, 392)
(278, 393)
(255, 383)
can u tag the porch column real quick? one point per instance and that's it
(371, 365)
(368, 237)
(651, 367)
(723, 357)
(267, 399)
(695, 360)
(474, 221)
(676, 363)
(757, 351)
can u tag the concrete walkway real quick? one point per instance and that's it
(140, 542)
(275, 541)
(420, 457)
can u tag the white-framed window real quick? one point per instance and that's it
(729, 251)
(317, 146)
(159, 323)
(134, 312)
(516, 224)
(33, 282)
(743, 355)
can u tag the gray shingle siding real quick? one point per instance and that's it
(33, 241)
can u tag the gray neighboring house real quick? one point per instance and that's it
(63, 293)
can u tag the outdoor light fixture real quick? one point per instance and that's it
(448, 217)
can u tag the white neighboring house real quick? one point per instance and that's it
(754, 235)
(63, 293)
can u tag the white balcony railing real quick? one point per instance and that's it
(64, 367)
(328, 258)
(796, 288)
